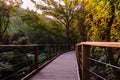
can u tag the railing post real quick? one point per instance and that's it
(65, 48)
(55, 49)
(59, 49)
(36, 57)
(85, 62)
(79, 59)
(49, 52)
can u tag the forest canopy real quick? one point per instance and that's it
(71, 21)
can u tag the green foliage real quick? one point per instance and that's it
(100, 54)
(63, 12)
(101, 20)
(6, 38)
(22, 41)
(73, 21)
(12, 62)
(7, 9)
(41, 29)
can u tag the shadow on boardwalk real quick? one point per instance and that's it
(62, 68)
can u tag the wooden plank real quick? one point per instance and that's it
(102, 44)
(62, 68)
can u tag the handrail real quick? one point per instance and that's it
(31, 45)
(57, 48)
(83, 53)
(102, 44)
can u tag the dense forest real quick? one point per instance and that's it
(59, 22)
(72, 21)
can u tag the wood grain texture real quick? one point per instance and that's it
(102, 44)
(62, 68)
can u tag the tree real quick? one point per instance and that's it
(100, 18)
(7, 9)
(42, 29)
(80, 17)
(62, 11)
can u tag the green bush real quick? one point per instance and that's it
(22, 41)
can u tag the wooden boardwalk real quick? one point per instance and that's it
(62, 68)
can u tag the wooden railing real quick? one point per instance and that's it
(96, 59)
(57, 49)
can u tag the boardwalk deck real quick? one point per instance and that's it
(62, 68)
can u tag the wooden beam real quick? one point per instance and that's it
(79, 58)
(85, 62)
(101, 44)
(36, 57)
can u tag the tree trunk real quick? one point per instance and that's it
(108, 31)
(110, 22)
(68, 36)
(82, 27)
(107, 37)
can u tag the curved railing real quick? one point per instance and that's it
(98, 60)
